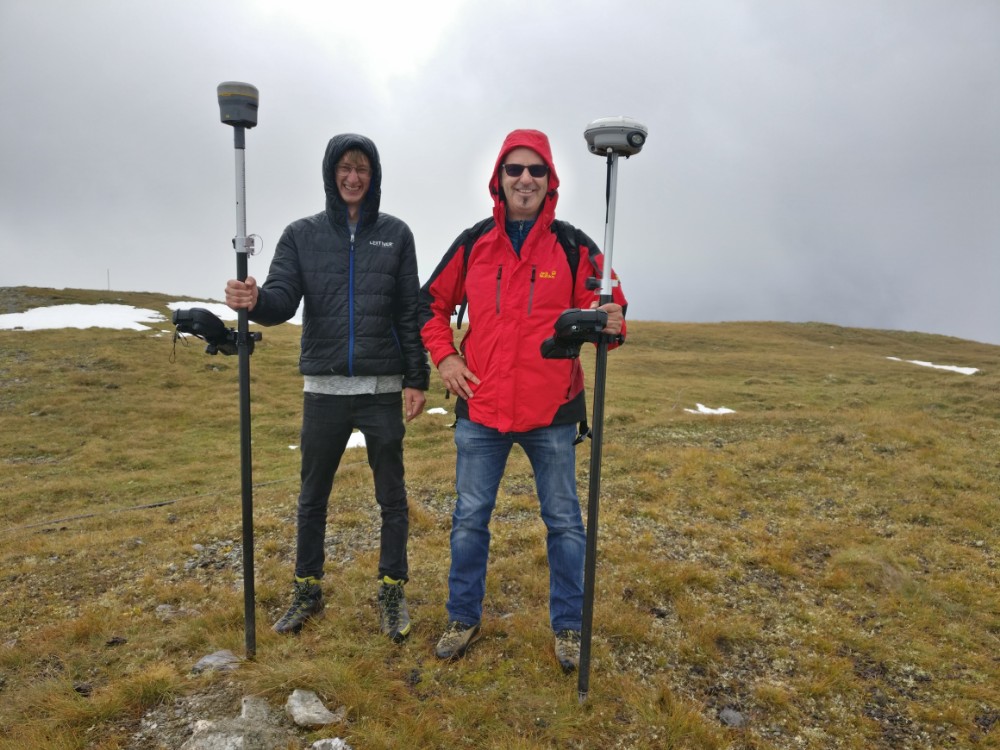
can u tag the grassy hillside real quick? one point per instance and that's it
(824, 561)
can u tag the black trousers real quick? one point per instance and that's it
(327, 422)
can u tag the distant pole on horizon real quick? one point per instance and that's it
(109, 279)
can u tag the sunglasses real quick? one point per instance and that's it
(535, 170)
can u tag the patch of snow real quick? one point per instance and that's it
(952, 368)
(702, 409)
(121, 317)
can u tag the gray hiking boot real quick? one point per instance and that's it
(568, 649)
(307, 602)
(393, 615)
(458, 636)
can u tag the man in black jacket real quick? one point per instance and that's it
(354, 269)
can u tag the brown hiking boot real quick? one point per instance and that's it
(307, 602)
(458, 636)
(568, 649)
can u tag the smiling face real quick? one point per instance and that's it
(354, 175)
(524, 194)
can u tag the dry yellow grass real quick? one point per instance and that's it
(823, 561)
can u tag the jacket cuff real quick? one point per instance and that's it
(437, 360)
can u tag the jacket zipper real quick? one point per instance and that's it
(531, 289)
(350, 310)
(499, 274)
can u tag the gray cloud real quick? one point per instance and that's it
(836, 162)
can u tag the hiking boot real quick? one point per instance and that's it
(568, 649)
(456, 639)
(394, 617)
(307, 602)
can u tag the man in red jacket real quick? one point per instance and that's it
(515, 274)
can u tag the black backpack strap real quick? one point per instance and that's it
(468, 239)
(569, 237)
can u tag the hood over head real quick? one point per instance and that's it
(538, 142)
(336, 209)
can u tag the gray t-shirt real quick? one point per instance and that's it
(342, 385)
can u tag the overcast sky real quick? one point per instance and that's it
(808, 160)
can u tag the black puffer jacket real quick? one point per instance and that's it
(360, 292)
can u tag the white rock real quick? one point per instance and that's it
(335, 744)
(210, 735)
(255, 709)
(307, 710)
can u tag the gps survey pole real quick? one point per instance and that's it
(238, 107)
(613, 137)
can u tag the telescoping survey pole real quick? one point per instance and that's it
(238, 107)
(611, 137)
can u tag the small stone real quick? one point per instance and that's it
(165, 612)
(732, 718)
(221, 661)
(83, 688)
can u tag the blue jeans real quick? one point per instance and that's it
(482, 457)
(327, 422)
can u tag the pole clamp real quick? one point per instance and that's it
(249, 245)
